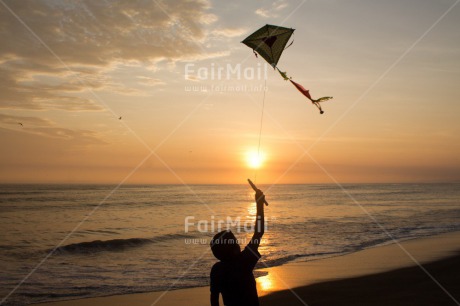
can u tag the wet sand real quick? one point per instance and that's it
(385, 275)
(405, 286)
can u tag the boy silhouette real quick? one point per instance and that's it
(232, 275)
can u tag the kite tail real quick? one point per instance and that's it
(319, 107)
(304, 91)
(283, 74)
(322, 99)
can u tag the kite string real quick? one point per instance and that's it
(260, 129)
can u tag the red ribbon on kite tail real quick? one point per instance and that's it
(304, 91)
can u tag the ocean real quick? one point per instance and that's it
(60, 242)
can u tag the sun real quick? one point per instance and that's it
(255, 159)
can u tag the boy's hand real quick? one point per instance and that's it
(257, 190)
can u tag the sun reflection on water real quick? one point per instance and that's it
(252, 209)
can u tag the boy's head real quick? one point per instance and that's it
(225, 246)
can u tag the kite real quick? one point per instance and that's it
(269, 42)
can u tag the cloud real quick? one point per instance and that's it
(47, 128)
(15, 120)
(98, 32)
(82, 137)
(273, 10)
(90, 38)
(193, 78)
(279, 5)
(263, 13)
(150, 81)
(37, 95)
(229, 32)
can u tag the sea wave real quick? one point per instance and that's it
(311, 256)
(113, 245)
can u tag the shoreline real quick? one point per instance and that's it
(276, 286)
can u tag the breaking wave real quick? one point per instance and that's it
(113, 245)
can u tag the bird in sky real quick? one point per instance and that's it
(20, 124)
(119, 118)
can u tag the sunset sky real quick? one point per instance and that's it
(70, 69)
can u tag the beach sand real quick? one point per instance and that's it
(384, 275)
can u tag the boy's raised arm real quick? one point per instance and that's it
(259, 228)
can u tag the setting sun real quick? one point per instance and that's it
(255, 159)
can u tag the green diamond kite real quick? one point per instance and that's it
(269, 41)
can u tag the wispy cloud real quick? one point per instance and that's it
(229, 32)
(273, 10)
(150, 81)
(15, 120)
(91, 38)
(47, 128)
(82, 137)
